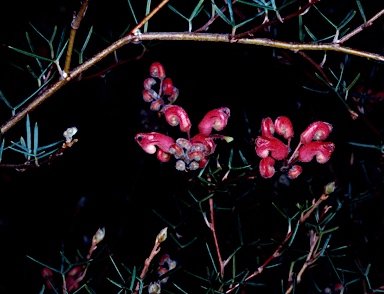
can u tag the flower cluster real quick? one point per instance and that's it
(311, 145)
(191, 153)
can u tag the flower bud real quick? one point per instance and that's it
(156, 105)
(162, 235)
(174, 95)
(322, 151)
(267, 127)
(317, 131)
(99, 236)
(157, 70)
(265, 145)
(266, 167)
(194, 165)
(176, 115)
(180, 165)
(149, 95)
(148, 83)
(176, 150)
(329, 188)
(167, 86)
(69, 133)
(283, 127)
(216, 119)
(294, 171)
(163, 156)
(154, 288)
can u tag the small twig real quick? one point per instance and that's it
(265, 24)
(318, 67)
(277, 252)
(74, 27)
(360, 28)
(212, 227)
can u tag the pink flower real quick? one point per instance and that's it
(283, 127)
(148, 83)
(149, 141)
(295, 171)
(163, 156)
(322, 151)
(265, 145)
(267, 127)
(176, 115)
(157, 70)
(317, 131)
(149, 95)
(216, 119)
(266, 167)
(167, 86)
(207, 143)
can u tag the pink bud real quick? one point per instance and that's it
(196, 155)
(174, 95)
(294, 172)
(167, 86)
(176, 150)
(157, 70)
(163, 156)
(176, 115)
(267, 127)
(180, 165)
(194, 165)
(184, 143)
(283, 127)
(322, 151)
(165, 258)
(148, 83)
(266, 167)
(265, 145)
(216, 119)
(207, 143)
(156, 105)
(317, 131)
(203, 162)
(149, 95)
(149, 141)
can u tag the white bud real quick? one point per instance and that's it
(69, 133)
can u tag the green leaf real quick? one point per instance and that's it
(346, 20)
(132, 11)
(147, 11)
(221, 14)
(35, 139)
(30, 54)
(361, 10)
(177, 12)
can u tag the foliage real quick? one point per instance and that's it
(231, 217)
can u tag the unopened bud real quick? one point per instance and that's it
(329, 188)
(162, 235)
(99, 236)
(69, 133)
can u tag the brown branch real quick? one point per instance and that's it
(360, 28)
(201, 37)
(273, 22)
(212, 227)
(277, 252)
(74, 27)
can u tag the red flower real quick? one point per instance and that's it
(266, 167)
(216, 119)
(167, 86)
(176, 115)
(294, 172)
(265, 145)
(149, 141)
(267, 127)
(317, 131)
(322, 151)
(283, 127)
(163, 156)
(157, 70)
(148, 83)
(149, 95)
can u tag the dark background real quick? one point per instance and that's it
(107, 180)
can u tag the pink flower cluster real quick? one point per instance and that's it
(311, 145)
(191, 153)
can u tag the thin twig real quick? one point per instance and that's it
(318, 67)
(212, 227)
(360, 28)
(277, 252)
(74, 27)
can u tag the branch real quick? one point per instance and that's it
(212, 227)
(200, 37)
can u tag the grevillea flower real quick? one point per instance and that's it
(267, 127)
(148, 83)
(266, 167)
(322, 151)
(216, 119)
(167, 86)
(208, 145)
(283, 127)
(157, 70)
(317, 131)
(175, 115)
(295, 171)
(149, 141)
(156, 105)
(163, 156)
(149, 95)
(275, 147)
